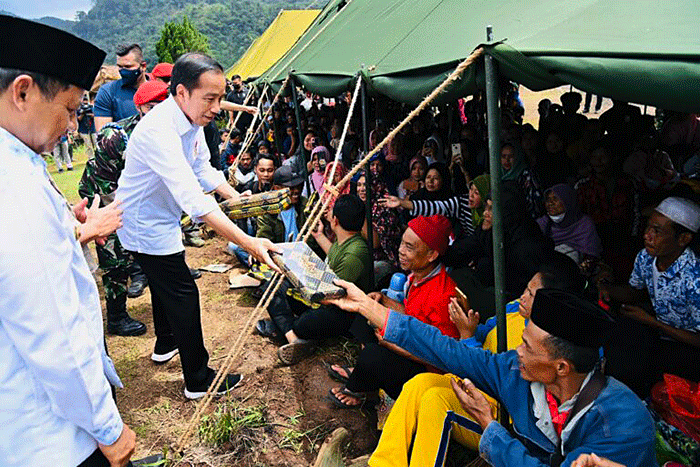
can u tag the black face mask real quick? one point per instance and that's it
(237, 87)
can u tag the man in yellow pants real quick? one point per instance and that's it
(418, 416)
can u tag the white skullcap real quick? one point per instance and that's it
(681, 211)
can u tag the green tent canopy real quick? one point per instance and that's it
(645, 51)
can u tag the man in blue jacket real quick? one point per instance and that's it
(560, 403)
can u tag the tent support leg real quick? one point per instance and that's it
(368, 182)
(494, 124)
(297, 113)
(275, 129)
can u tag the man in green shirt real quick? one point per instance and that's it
(349, 258)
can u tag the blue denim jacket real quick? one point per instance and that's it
(616, 425)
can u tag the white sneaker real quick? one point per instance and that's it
(231, 382)
(163, 357)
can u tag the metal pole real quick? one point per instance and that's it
(297, 112)
(368, 182)
(493, 124)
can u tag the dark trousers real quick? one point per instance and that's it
(176, 314)
(638, 356)
(97, 459)
(325, 322)
(380, 368)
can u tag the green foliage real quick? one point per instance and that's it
(229, 25)
(232, 423)
(177, 39)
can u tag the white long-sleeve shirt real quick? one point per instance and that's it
(167, 171)
(55, 400)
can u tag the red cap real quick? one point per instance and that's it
(434, 231)
(163, 70)
(151, 91)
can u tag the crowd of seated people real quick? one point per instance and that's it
(576, 193)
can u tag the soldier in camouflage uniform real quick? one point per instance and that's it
(100, 178)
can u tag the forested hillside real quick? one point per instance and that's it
(230, 25)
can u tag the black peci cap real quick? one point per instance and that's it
(571, 317)
(35, 47)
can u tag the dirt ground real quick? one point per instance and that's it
(295, 416)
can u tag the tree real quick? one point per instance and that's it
(177, 39)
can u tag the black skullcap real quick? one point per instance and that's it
(34, 47)
(570, 317)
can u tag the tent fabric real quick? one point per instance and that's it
(645, 51)
(282, 33)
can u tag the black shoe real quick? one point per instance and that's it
(229, 383)
(138, 285)
(266, 328)
(126, 327)
(162, 353)
(195, 273)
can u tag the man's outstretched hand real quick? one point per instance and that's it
(260, 249)
(355, 299)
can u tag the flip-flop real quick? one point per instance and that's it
(342, 405)
(335, 374)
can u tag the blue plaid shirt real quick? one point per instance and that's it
(676, 297)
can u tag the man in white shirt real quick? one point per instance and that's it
(167, 171)
(56, 405)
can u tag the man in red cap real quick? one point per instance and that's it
(100, 180)
(162, 72)
(428, 290)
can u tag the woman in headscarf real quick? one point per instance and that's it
(573, 232)
(466, 209)
(514, 168)
(386, 228)
(415, 180)
(438, 182)
(319, 159)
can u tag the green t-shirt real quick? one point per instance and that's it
(351, 262)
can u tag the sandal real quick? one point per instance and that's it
(336, 375)
(333, 397)
(294, 352)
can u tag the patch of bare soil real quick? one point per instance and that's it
(280, 415)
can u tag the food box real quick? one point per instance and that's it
(307, 272)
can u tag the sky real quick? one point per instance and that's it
(64, 9)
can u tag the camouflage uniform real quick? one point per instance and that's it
(100, 177)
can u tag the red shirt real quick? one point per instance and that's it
(427, 301)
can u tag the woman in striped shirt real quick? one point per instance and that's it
(467, 209)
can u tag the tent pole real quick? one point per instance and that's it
(368, 181)
(297, 113)
(493, 124)
(275, 129)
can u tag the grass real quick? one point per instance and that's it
(233, 423)
(67, 181)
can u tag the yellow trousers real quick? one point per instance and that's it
(418, 416)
